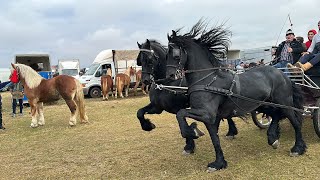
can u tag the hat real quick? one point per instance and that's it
(289, 31)
(312, 30)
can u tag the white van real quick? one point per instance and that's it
(117, 60)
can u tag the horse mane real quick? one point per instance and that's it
(216, 40)
(129, 71)
(155, 43)
(31, 77)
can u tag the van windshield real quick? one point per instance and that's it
(92, 69)
(70, 72)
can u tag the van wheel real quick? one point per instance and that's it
(95, 92)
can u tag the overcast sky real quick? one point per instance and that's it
(81, 28)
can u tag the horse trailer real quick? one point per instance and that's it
(38, 62)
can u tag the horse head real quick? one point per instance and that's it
(199, 49)
(148, 60)
(27, 75)
(176, 57)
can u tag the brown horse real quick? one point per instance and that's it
(39, 90)
(138, 80)
(123, 81)
(107, 84)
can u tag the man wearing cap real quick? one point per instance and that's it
(289, 51)
(312, 56)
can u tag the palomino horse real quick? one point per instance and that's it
(39, 90)
(123, 81)
(144, 88)
(107, 84)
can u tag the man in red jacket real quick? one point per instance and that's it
(311, 33)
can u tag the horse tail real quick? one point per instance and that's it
(79, 97)
(111, 84)
(297, 96)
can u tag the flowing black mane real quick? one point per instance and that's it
(216, 39)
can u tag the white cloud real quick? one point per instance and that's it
(80, 29)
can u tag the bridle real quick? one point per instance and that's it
(154, 58)
(177, 55)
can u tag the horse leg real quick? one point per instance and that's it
(121, 91)
(73, 108)
(232, 129)
(116, 93)
(220, 162)
(300, 146)
(274, 130)
(34, 121)
(135, 88)
(103, 87)
(188, 132)
(212, 123)
(145, 123)
(40, 113)
(127, 90)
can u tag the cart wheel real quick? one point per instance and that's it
(261, 120)
(316, 118)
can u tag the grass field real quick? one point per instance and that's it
(113, 146)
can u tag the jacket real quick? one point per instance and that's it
(297, 49)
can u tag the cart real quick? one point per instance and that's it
(309, 83)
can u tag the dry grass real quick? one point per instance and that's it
(113, 146)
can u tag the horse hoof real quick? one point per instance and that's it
(187, 153)
(33, 125)
(230, 137)
(40, 124)
(276, 144)
(72, 124)
(210, 170)
(294, 154)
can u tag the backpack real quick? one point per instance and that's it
(14, 77)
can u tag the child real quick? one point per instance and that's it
(17, 94)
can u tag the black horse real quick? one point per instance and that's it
(152, 58)
(212, 90)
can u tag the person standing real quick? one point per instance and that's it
(17, 95)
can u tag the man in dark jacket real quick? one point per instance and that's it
(289, 51)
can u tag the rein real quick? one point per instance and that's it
(221, 91)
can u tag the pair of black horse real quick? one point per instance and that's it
(212, 89)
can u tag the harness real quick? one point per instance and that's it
(230, 93)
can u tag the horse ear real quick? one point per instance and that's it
(139, 45)
(174, 33)
(168, 36)
(148, 43)
(14, 66)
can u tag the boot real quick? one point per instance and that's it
(306, 66)
(289, 65)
